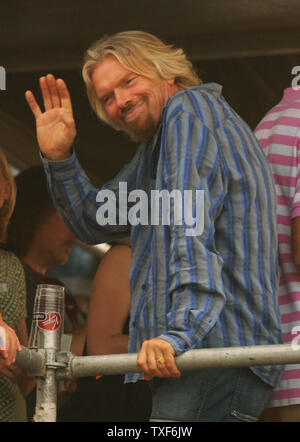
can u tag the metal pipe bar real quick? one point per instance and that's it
(46, 398)
(51, 365)
(282, 354)
(31, 360)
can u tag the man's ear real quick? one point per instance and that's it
(171, 81)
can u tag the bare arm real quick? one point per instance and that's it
(109, 304)
(78, 340)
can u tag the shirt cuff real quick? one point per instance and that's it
(180, 345)
(61, 170)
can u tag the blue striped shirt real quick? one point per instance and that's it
(215, 289)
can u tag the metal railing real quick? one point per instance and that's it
(52, 366)
(51, 362)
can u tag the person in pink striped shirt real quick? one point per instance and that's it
(279, 136)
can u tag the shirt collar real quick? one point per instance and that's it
(214, 87)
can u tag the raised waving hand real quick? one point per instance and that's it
(55, 127)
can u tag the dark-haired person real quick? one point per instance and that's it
(190, 289)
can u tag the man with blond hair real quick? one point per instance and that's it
(214, 288)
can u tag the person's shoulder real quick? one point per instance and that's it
(114, 263)
(117, 253)
(194, 101)
(12, 264)
(10, 258)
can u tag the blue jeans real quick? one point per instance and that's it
(216, 395)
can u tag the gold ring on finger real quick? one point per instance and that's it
(160, 360)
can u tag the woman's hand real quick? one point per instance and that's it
(11, 345)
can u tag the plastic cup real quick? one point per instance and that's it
(48, 317)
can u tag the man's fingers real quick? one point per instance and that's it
(161, 367)
(151, 362)
(157, 358)
(166, 366)
(46, 94)
(171, 366)
(33, 104)
(55, 98)
(64, 95)
(142, 361)
(55, 94)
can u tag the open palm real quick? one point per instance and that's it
(55, 126)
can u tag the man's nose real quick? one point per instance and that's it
(122, 98)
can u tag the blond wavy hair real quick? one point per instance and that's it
(7, 209)
(143, 54)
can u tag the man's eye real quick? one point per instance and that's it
(130, 80)
(105, 100)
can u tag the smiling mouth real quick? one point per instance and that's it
(131, 113)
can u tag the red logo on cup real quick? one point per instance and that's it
(52, 321)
